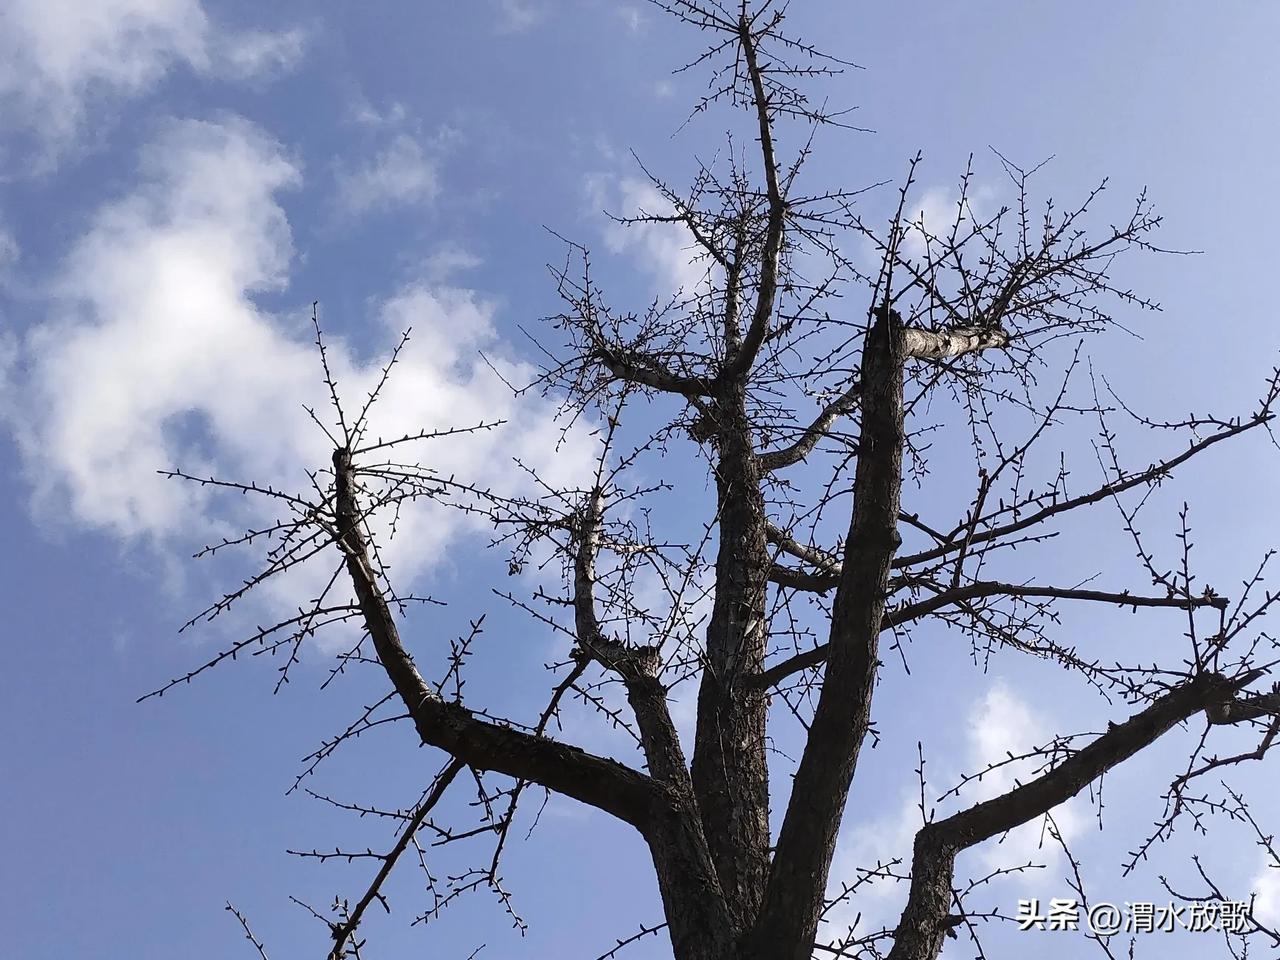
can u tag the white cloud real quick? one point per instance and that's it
(59, 57)
(1266, 887)
(400, 174)
(160, 356)
(878, 902)
(516, 16)
(9, 350)
(398, 164)
(934, 215)
(159, 327)
(365, 113)
(256, 53)
(631, 17)
(1006, 724)
(442, 264)
(667, 250)
(1001, 723)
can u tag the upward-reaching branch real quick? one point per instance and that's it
(798, 877)
(606, 784)
(925, 920)
(741, 359)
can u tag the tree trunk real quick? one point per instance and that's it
(797, 882)
(730, 773)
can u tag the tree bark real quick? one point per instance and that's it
(797, 882)
(730, 771)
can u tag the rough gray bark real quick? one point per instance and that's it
(730, 773)
(798, 880)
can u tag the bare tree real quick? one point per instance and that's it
(820, 363)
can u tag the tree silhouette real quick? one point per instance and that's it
(815, 369)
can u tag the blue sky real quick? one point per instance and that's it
(180, 180)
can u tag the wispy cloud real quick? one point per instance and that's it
(667, 250)
(393, 162)
(9, 250)
(401, 173)
(58, 58)
(933, 213)
(257, 53)
(447, 261)
(366, 114)
(516, 16)
(632, 18)
(1266, 888)
(1005, 725)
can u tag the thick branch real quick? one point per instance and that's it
(920, 344)
(804, 580)
(916, 344)
(696, 909)
(637, 666)
(645, 372)
(730, 765)
(824, 561)
(925, 920)
(1240, 709)
(846, 403)
(606, 784)
(806, 842)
